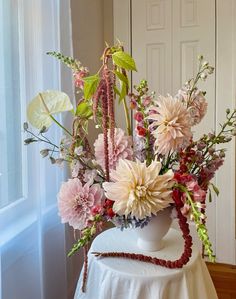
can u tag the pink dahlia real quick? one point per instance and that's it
(76, 202)
(170, 125)
(122, 150)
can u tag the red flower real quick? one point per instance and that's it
(110, 213)
(183, 168)
(108, 203)
(177, 195)
(141, 131)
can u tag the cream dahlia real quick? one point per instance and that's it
(75, 202)
(171, 123)
(123, 148)
(139, 190)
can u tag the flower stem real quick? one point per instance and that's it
(60, 125)
(127, 117)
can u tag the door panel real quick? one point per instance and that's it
(151, 42)
(194, 34)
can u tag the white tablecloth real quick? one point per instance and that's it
(117, 278)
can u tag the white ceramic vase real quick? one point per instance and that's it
(150, 236)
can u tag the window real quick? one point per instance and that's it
(11, 183)
(32, 240)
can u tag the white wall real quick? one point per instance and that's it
(226, 98)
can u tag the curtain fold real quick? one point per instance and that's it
(33, 262)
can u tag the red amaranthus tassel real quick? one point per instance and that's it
(85, 271)
(203, 211)
(105, 131)
(179, 263)
(96, 98)
(109, 79)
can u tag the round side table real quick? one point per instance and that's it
(117, 278)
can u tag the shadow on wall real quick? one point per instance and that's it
(92, 25)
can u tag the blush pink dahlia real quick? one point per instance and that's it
(122, 150)
(76, 202)
(171, 123)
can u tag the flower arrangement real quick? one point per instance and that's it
(127, 177)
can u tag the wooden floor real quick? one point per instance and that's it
(224, 279)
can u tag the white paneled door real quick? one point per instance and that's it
(165, 38)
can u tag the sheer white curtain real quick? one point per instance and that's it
(32, 240)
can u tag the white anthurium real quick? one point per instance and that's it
(44, 105)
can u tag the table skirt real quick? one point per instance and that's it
(118, 278)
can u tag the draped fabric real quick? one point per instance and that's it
(119, 278)
(33, 262)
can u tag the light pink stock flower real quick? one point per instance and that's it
(76, 166)
(123, 148)
(76, 202)
(78, 77)
(197, 104)
(90, 175)
(197, 108)
(171, 125)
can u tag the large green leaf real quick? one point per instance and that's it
(84, 110)
(124, 60)
(90, 86)
(45, 104)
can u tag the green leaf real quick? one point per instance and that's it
(44, 105)
(124, 60)
(216, 190)
(90, 86)
(85, 127)
(122, 77)
(84, 110)
(123, 91)
(117, 91)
